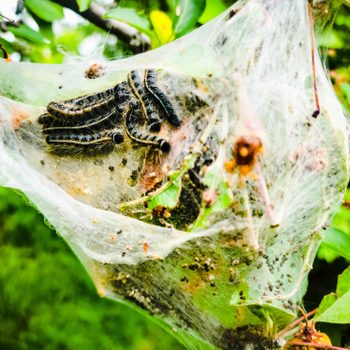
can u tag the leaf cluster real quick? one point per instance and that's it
(42, 33)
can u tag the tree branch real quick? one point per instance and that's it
(310, 346)
(138, 42)
(295, 323)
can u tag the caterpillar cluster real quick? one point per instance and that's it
(94, 124)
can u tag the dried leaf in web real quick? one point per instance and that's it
(219, 232)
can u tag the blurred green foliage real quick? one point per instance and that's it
(47, 301)
(335, 41)
(45, 37)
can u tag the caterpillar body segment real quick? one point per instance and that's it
(84, 144)
(140, 137)
(104, 121)
(82, 106)
(150, 82)
(146, 106)
(89, 106)
(122, 93)
(45, 119)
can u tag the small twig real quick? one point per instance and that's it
(294, 323)
(8, 23)
(315, 345)
(7, 19)
(138, 42)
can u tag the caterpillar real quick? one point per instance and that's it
(150, 82)
(71, 111)
(141, 138)
(82, 105)
(106, 120)
(146, 106)
(91, 144)
(84, 125)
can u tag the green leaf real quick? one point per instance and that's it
(25, 32)
(212, 9)
(172, 5)
(338, 241)
(346, 2)
(188, 13)
(45, 9)
(222, 201)
(162, 25)
(129, 16)
(326, 254)
(342, 19)
(334, 307)
(167, 198)
(331, 38)
(8, 47)
(345, 89)
(84, 4)
(222, 196)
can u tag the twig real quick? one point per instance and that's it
(294, 323)
(138, 42)
(8, 19)
(314, 345)
(8, 23)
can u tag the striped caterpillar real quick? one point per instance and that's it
(94, 124)
(141, 96)
(142, 138)
(150, 81)
(88, 144)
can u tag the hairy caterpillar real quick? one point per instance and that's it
(84, 125)
(81, 109)
(150, 82)
(146, 106)
(91, 144)
(141, 138)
